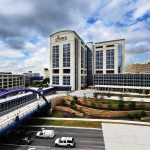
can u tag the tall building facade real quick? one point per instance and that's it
(97, 65)
(68, 60)
(109, 57)
(11, 81)
(138, 68)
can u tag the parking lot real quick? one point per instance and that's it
(86, 139)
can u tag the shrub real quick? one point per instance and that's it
(62, 102)
(72, 104)
(108, 94)
(109, 106)
(146, 92)
(137, 115)
(140, 91)
(143, 113)
(75, 98)
(93, 105)
(142, 105)
(130, 116)
(121, 104)
(132, 105)
(134, 116)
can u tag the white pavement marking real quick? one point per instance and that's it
(126, 137)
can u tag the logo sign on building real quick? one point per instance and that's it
(60, 38)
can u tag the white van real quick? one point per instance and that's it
(45, 133)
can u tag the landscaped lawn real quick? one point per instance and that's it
(71, 123)
(57, 114)
(114, 102)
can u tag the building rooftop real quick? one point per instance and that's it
(67, 31)
(110, 41)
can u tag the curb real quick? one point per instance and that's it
(101, 120)
(61, 127)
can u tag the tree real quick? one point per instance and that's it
(143, 113)
(46, 81)
(137, 115)
(108, 94)
(146, 92)
(121, 104)
(142, 105)
(75, 98)
(132, 104)
(140, 91)
(73, 105)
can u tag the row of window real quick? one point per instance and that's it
(56, 71)
(66, 80)
(66, 56)
(99, 59)
(112, 80)
(109, 59)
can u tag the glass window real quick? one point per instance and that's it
(66, 55)
(55, 56)
(99, 59)
(56, 80)
(119, 58)
(66, 80)
(110, 59)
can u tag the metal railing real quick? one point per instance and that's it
(10, 120)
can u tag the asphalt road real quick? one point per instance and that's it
(86, 139)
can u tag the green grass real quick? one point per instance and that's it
(71, 123)
(148, 120)
(57, 114)
(113, 102)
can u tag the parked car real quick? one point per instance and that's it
(45, 133)
(22, 133)
(65, 141)
(26, 141)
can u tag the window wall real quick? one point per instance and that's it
(110, 59)
(99, 59)
(66, 80)
(56, 80)
(66, 55)
(55, 56)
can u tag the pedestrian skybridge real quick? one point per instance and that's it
(18, 104)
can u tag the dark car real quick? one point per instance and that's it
(26, 141)
(22, 133)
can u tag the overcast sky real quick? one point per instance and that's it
(25, 26)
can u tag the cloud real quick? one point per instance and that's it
(25, 27)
